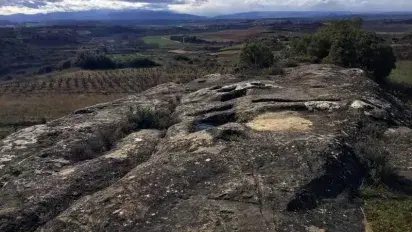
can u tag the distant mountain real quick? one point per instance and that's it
(283, 14)
(102, 15)
(4, 22)
(164, 17)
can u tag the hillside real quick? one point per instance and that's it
(220, 153)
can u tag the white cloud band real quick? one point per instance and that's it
(201, 7)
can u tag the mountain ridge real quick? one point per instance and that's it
(149, 15)
(282, 14)
(102, 15)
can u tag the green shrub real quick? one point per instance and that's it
(181, 58)
(91, 60)
(256, 55)
(142, 62)
(65, 64)
(146, 118)
(344, 43)
(45, 69)
(134, 61)
(376, 163)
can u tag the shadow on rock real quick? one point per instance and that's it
(343, 173)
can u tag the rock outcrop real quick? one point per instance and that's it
(217, 154)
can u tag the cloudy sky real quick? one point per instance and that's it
(201, 7)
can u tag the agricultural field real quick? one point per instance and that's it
(162, 41)
(234, 35)
(28, 96)
(19, 111)
(103, 81)
(40, 99)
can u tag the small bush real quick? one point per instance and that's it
(376, 164)
(256, 55)
(181, 58)
(65, 64)
(145, 118)
(142, 62)
(93, 146)
(45, 69)
(134, 61)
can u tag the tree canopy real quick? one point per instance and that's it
(256, 55)
(345, 43)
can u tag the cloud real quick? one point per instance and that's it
(46, 6)
(33, 7)
(212, 7)
(201, 7)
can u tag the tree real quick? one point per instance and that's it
(256, 55)
(91, 60)
(345, 43)
(142, 62)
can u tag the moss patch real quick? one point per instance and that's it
(386, 211)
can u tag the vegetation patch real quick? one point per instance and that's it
(94, 60)
(344, 43)
(147, 118)
(403, 72)
(387, 211)
(133, 61)
(181, 57)
(256, 55)
(387, 195)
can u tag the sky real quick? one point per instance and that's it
(201, 7)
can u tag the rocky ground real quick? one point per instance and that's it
(222, 153)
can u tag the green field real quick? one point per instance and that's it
(402, 73)
(162, 41)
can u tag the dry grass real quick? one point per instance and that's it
(22, 108)
(18, 111)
